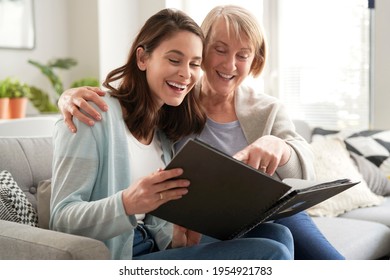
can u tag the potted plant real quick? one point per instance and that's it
(18, 94)
(40, 98)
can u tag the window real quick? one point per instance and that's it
(319, 56)
(322, 65)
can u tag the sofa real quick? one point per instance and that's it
(28, 159)
(25, 160)
(362, 233)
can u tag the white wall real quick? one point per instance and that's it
(83, 34)
(118, 25)
(381, 93)
(64, 28)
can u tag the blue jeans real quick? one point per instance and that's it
(309, 242)
(266, 231)
(248, 248)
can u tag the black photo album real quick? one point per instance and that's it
(227, 198)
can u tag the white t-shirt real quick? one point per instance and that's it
(144, 160)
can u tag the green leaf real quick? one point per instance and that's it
(49, 73)
(41, 100)
(89, 81)
(63, 63)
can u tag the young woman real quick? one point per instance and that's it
(106, 178)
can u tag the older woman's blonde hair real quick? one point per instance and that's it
(241, 22)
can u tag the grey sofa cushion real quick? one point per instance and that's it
(380, 213)
(43, 200)
(22, 242)
(303, 129)
(28, 160)
(356, 239)
(375, 178)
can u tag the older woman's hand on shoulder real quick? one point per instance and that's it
(75, 99)
(266, 154)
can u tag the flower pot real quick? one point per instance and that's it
(17, 107)
(4, 110)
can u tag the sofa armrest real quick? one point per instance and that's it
(19, 241)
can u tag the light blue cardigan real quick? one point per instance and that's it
(90, 171)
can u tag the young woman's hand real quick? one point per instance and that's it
(151, 191)
(183, 237)
(266, 154)
(74, 99)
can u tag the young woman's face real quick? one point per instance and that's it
(173, 68)
(227, 61)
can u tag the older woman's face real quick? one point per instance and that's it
(227, 61)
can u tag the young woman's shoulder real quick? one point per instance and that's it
(112, 119)
(112, 102)
(114, 111)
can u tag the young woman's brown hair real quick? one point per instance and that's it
(142, 114)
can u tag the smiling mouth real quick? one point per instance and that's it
(225, 76)
(177, 86)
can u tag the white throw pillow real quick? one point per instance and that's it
(332, 161)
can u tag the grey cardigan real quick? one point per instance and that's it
(261, 114)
